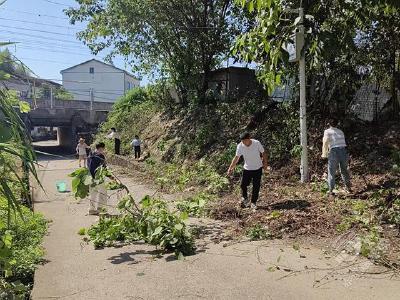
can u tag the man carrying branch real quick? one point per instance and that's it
(255, 159)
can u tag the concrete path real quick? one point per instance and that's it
(219, 271)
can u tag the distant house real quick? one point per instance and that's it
(28, 87)
(233, 82)
(97, 81)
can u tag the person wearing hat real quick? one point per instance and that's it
(81, 152)
(255, 160)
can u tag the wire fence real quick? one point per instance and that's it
(370, 102)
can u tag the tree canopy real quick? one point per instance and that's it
(344, 37)
(183, 40)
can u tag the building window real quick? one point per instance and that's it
(91, 70)
(128, 85)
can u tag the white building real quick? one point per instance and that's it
(97, 81)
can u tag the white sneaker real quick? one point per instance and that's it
(244, 203)
(253, 206)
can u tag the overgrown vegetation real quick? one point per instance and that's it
(192, 142)
(20, 249)
(21, 231)
(197, 205)
(174, 177)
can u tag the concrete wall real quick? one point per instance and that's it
(107, 82)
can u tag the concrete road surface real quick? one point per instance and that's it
(74, 270)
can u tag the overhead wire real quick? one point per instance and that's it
(39, 23)
(41, 37)
(19, 41)
(50, 50)
(34, 14)
(39, 30)
(57, 3)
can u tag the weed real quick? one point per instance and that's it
(321, 187)
(161, 146)
(195, 206)
(360, 215)
(257, 232)
(20, 248)
(82, 231)
(370, 244)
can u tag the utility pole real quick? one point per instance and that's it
(51, 97)
(91, 99)
(297, 54)
(303, 105)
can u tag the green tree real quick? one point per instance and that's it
(183, 40)
(339, 33)
(9, 65)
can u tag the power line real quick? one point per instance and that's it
(38, 30)
(56, 3)
(34, 14)
(50, 50)
(45, 60)
(39, 23)
(40, 37)
(42, 43)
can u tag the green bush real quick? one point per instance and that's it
(131, 114)
(24, 238)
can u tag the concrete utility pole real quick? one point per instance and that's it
(297, 54)
(91, 98)
(51, 98)
(303, 106)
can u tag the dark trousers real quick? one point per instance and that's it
(247, 177)
(117, 146)
(137, 151)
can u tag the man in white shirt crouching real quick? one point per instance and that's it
(255, 159)
(334, 148)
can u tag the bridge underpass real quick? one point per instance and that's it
(71, 117)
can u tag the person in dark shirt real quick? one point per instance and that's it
(98, 193)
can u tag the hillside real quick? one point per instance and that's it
(191, 151)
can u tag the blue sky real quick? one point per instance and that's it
(46, 41)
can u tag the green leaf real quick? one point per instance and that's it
(158, 230)
(271, 269)
(251, 6)
(184, 215)
(24, 107)
(178, 226)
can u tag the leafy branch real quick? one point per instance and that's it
(152, 222)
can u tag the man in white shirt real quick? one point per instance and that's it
(255, 159)
(334, 148)
(117, 140)
(136, 142)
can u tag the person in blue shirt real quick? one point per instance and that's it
(98, 193)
